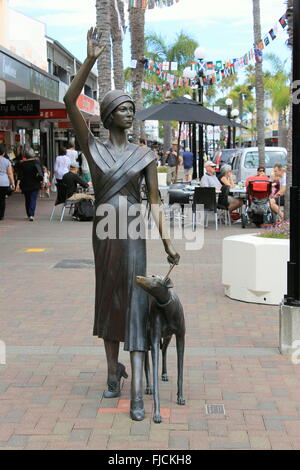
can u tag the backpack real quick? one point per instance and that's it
(84, 210)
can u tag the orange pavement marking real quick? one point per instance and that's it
(35, 250)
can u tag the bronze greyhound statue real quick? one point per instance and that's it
(166, 318)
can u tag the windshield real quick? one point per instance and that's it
(271, 158)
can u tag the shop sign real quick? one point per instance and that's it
(20, 108)
(5, 125)
(65, 125)
(88, 105)
(53, 114)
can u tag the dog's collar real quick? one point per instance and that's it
(166, 304)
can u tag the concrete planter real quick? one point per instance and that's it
(162, 179)
(255, 269)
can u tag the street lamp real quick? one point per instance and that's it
(200, 55)
(235, 113)
(191, 74)
(290, 310)
(231, 114)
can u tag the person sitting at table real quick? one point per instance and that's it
(277, 199)
(71, 180)
(226, 179)
(209, 179)
(260, 176)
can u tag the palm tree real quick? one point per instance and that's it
(117, 29)
(137, 30)
(259, 85)
(180, 51)
(103, 15)
(278, 86)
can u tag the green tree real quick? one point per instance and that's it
(278, 86)
(180, 51)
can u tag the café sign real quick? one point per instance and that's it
(20, 108)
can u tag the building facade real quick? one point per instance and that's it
(35, 73)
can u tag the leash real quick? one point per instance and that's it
(169, 272)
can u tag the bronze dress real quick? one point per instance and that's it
(121, 307)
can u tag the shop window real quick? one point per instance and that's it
(61, 73)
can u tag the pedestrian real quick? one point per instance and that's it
(46, 182)
(72, 153)
(62, 165)
(6, 180)
(171, 161)
(188, 157)
(30, 177)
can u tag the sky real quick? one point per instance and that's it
(223, 28)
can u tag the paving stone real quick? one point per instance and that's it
(80, 434)
(178, 441)
(52, 386)
(229, 445)
(140, 428)
(88, 411)
(273, 424)
(17, 441)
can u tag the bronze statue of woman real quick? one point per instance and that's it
(117, 168)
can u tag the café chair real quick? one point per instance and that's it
(207, 198)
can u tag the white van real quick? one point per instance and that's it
(246, 161)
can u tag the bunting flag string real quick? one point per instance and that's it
(150, 4)
(209, 71)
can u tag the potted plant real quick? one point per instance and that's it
(255, 265)
(162, 175)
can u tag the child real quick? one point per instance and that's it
(46, 182)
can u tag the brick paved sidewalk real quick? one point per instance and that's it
(51, 386)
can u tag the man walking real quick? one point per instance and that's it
(188, 164)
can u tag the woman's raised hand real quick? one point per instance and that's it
(94, 49)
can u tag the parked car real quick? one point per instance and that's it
(246, 161)
(222, 157)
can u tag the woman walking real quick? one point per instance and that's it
(6, 180)
(117, 169)
(30, 176)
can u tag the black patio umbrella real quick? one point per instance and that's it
(184, 110)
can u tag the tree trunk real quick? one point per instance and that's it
(104, 62)
(117, 28)
(282, 130)
(137, 29)
(167, 135)
(259, 85)
(289, 15)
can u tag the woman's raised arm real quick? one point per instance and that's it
(94, 51)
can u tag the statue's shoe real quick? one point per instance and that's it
(114, 390)
(137, 411)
